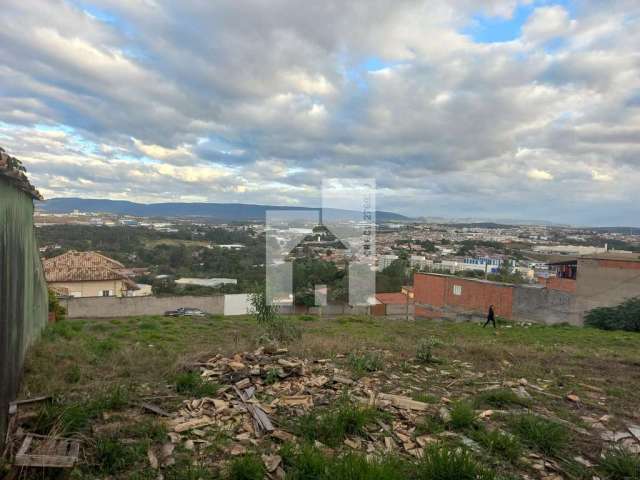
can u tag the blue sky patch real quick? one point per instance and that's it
(485, 29)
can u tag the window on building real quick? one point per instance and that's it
(105, 293)
(457, 289)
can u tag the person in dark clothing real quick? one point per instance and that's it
(491, 317)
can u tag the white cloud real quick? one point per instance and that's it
(601, 177)
(536, 174)
(546, 23)
(443, 123)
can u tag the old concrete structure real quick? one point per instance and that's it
(23, 292)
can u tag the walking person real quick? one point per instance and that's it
(491, 317)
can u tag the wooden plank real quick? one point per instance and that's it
(27, 401)
(25, 445)
(403, 402)
(42, 461)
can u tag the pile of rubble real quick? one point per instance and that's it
(262, 391)
(289, 387)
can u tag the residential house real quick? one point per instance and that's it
(88, 274)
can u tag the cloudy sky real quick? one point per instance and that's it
(494, 108)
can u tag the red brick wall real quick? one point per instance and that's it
(625, 264)
(476, 296)
(555, 283)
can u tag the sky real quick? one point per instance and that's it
(519, 109)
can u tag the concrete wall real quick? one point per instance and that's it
(535, 303)
(604, 283)
(237, 304)
(23, 291)
(111, 307)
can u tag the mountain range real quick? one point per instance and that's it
(215, 211)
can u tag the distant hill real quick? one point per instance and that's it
(227, 212)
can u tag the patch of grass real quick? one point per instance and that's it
(442, 463)
(75, 417)
(499, 398)
(272, 376)
(307, 462)
(332, 426)
(547, 436)
(66, 329)
(303, 462)
(191, 383)
(429, 425)
(366, 362)
(463, 415)
(354, 319)
(424, 397)
(307, 318)
(499, 443)
(619, 464)
(147, 429)
(111, 456)
(73, 374)
(102, 347)
(247, 467)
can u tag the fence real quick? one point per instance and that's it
(23, 293)
(112, 307)
(228, 305)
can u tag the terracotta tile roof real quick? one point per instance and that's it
(16, 177)
(84, 267)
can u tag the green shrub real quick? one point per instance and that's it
(619, 464)
(499, 443)
(362, 363)
(442, 463)
(424, 350)
(332, 426)
(247, 467)
(463, 415)
(191, 383)
(547, 436)
(499, 398)
(54, 307)
(625, 316)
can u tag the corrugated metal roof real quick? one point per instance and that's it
(16, 177)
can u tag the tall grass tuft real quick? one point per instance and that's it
(547, 436)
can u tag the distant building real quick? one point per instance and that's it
(229, 246)
(417, 261)
(573, 287)
(207, 282)
(598, 280)
(386, 260)
(574, 249)
(88, 274)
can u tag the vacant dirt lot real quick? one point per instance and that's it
(352, 398)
